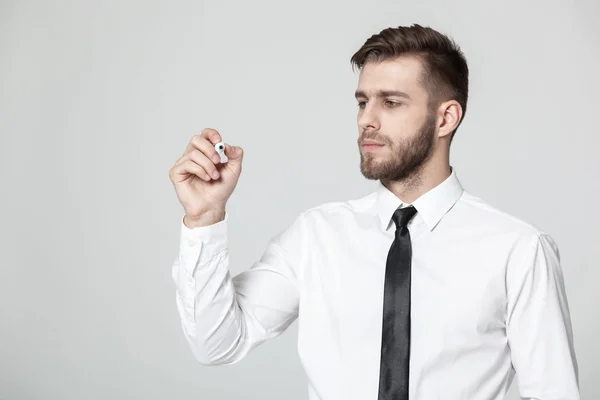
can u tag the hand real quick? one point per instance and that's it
(203, 185)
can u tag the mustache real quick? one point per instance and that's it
(373, 136)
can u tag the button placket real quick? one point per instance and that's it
(191, 259)
(189, 304)
(188, 307)
(190, 280)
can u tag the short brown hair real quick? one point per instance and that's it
(445, 71)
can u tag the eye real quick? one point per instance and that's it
(361, 104)
(391, 103)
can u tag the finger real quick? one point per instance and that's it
(202, 160)
(201, 143)
(187, 168)
(211, 135)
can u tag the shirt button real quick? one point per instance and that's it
(191, 330)
(192, 243)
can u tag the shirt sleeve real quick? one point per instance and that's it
(224, 317)
(539, 325)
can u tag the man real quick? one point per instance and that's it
(418, 290)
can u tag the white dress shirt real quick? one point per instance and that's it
(488, 298)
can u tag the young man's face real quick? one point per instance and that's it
(397, 131)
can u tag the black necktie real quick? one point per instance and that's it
(395, 341)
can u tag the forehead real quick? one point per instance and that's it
(402, 73)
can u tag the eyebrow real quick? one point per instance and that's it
(382, 93)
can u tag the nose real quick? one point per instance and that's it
(368, 119)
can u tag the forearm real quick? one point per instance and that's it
(212, 320)
(224, 317)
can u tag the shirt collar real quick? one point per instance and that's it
(431, 206)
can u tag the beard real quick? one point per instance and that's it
(407, 157)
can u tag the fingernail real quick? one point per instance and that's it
(216, 158)
(215, 174)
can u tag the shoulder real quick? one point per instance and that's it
(332, 214)
(341, 207)
(524, 244)
(480, 212)
(315, 222)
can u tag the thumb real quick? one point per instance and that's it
(235, 154)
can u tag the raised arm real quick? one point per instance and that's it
(224, 317)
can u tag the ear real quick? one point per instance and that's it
(449, 116)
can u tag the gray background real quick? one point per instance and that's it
(99, 99)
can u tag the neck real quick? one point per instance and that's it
(421, 182)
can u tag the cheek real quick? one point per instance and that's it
(404, 122)
(397, 124)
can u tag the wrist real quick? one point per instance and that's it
(205, 219)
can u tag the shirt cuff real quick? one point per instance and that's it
(200, 244)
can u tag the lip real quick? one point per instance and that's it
(369, 145)
(368, 142)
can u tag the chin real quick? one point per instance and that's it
(371, 170)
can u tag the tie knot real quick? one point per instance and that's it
(402, 216)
